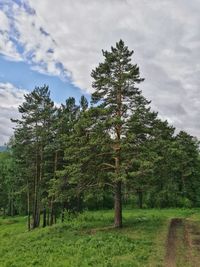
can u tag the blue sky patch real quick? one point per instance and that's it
(22, 76)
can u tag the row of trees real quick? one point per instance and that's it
(90, 156)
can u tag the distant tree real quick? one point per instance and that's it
(67, 116)
(32, 135)
(158, 155)
(186, 169)
(138, 156)
(6, 187)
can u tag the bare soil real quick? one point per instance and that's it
(171, 245)
(183, 244)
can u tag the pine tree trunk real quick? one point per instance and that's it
(36, 212)
(29, 221)
(44, 217)
(28, 207)
(118, 183)
(118, 205)
(55, 218)
(35, 206)
(12, 204)
(48, 217)
(52, 213)
(63, 215)
(35, 199)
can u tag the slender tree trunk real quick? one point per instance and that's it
(12, 204)
(51, 213)
(48, 217)
(118, 183)
(36, 209)
(28, 207)
(183, 184)
(35, 204)
(44, 217)
(37, 183)
(118, 205)
(118, 193)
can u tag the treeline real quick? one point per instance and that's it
(112, 152)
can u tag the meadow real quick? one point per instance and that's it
(90, 240)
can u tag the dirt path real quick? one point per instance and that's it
(170, 258)
(183, 244)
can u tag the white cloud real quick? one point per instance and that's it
(65, 38)
(4, 22)
(7, 47)
(10, 98)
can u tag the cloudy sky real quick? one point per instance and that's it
(59, 42)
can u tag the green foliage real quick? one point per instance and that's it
(98, 199)
(10, 187)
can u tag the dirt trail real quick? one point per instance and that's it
(183, 244)
(170, 258)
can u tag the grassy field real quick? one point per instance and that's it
(90, 240)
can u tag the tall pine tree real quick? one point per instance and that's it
(115, 83)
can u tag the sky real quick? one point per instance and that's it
(59, 42)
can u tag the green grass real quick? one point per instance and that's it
(89, 240)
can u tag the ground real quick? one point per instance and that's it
(150, 238)
(183, 243)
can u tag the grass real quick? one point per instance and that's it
(90, 240)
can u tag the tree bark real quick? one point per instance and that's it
(118, 205)
(28, 207)
(118, 183)
(12, 204)
(48, 217)
(44, 217)
(63, 215)
(52, 213)
(52, 209)
(36, 186)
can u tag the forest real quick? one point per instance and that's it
(102, 156)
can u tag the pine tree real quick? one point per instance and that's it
(138, 157)
(67, 116)
(31, 138)
(115, 83)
